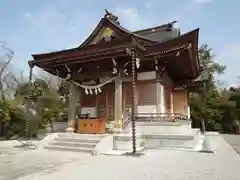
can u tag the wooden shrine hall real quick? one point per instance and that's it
(116, 72)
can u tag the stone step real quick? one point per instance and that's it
(170, 136)
(73, 144)
(188, 142)
(81, 136)
(79, 140)
(70, 149)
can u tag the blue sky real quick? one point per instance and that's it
(31, 26)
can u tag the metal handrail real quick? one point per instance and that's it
(126, 121)
(155, 117)
(163, 116)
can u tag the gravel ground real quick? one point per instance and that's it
(15, 163)
(224, 164)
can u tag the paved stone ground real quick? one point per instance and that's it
(233, 140)
(224, 164)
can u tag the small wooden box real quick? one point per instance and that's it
(91, 126)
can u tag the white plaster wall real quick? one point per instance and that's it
(162, 99)
(91, 110)
(146, 109)
(164, 129)
(146, 75)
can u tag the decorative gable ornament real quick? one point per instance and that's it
(110, 16)
(107, 34)
(107, 38)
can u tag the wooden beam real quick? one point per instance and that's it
(77, 60)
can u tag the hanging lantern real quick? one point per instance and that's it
(68, 76)
(137, 63)
(125, 72)
(90, 91)
(156, 65)
(96, 91)
(99, 90)
(114, 66)
(86, 91)
(114, 70)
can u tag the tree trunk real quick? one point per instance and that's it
(203, 129)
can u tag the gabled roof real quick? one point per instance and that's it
(116, 27)
(116, 48)
(203, 77)
(155, 34)
(160, 33)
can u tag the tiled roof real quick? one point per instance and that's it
(202, 77)
(160, 36)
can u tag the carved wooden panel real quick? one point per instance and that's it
(101, 98)
(101, 111)
(110, 93)
(110, 112)
(146, 93)
(88, 100)
(180, 102)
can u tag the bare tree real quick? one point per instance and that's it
(6, 56)
(10, 79)
(51, 80)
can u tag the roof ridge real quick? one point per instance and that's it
(129, 32)
(155, 27)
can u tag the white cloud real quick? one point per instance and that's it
(27, 16)
(131, 18)
(150, 4)
(191, 7)
(47, 18)
(128, 16)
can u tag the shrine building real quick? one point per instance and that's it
(116, 70)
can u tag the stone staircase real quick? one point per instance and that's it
(160, 133)
(184, 141)
(73, 142)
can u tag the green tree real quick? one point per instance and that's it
(231, 113)
(48, 106)
(204, 107)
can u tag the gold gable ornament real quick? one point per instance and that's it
(110, 16)
(107, 34)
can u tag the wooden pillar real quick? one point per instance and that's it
(72, 107)
(118, 111)
(171, 101)
(78, 100)
(160, 98)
